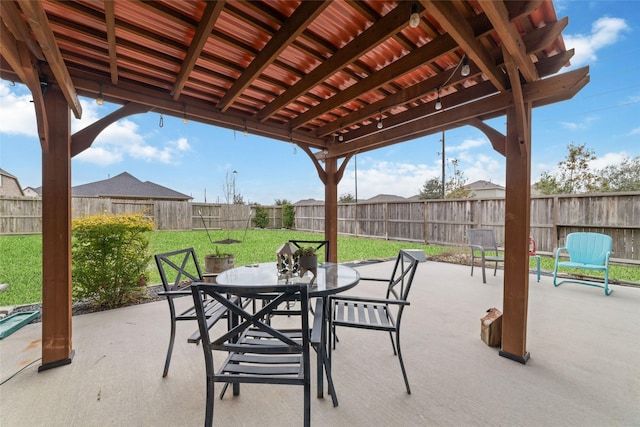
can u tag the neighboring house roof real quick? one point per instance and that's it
(309, 202)
(126, 186)
(381, 198)
(32, 192)
(483, 185)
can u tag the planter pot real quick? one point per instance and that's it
(308, 263)
(217, 264)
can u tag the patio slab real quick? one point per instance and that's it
(584, 367)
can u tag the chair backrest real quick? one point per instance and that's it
(589, 248)
(402, 276)
(272, 341)
(178, 268)
(484, 237)
(318, 244)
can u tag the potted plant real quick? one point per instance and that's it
(218, 262)
(307, 259)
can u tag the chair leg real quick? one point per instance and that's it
(607, 290)
(208, 417)
(404, 372)
(484, 275)
(172, 339)
(395, 353)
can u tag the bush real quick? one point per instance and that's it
(109, 257)
(261, 219)
(288, 216)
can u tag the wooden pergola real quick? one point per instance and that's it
(321, 75)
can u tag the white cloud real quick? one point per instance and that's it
(466, 145)
(604, 32)
(635, 131)
(16, 110)
(124, 139)
(608, 159)
(381, 177)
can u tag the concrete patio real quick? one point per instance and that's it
(584, 368)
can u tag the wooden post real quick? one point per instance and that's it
(56, 234)
(516, 265)
(331, 207)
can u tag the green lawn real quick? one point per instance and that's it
(21, 256)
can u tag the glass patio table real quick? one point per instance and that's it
(331, 278)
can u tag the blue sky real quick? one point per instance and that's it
(194, 159)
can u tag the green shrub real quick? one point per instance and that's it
(109, 257)
(261, 219)
(288, 216)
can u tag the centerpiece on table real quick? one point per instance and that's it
(286, 261)
(307, 260)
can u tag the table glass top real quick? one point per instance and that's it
(331, 278)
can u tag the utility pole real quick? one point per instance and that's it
(443, 164)
(355, 214)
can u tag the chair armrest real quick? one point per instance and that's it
(171, 294)
(558, 252)
(372, 300)
(318, 318)
(476, 248)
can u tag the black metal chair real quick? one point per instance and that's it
(317, 244)
(178, 269)
(482, 242)
(380, 314)
(257, 351)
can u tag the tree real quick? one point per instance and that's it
(455, 187)
(574, 174)
(624, 176)
(280, 202)
(347, 198)
(432, 189)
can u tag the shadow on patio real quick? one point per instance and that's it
(584, 367)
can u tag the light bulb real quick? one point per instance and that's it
(99, 100)
(414, 19)
(466, 70)
(438, 104)
(379, 125)
(340, 138)
(246, 132)
(185, 120)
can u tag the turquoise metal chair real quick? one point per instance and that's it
(588, 251)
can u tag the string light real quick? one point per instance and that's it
(100, 98)
(379, 125)
(465, 70)
(414, 19)
(246, 130)
(161, 123)
(438, 102)
(340, 137)
(184, 114)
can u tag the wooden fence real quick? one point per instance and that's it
(443, 222)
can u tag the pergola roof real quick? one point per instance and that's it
(319, 74)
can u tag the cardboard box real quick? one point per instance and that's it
(491, 328)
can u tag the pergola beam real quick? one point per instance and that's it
(207, 21)
(381, 30)
(37, 19)
(458, 27)
(110, 21)
(295, 25)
